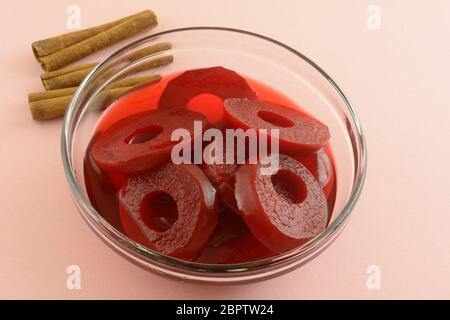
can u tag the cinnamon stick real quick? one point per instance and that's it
(135, 81)
(52, 104)
(158, 62)
(147, 51)
(48, 46)
(37, 96)
(72, 76)
(65, 78)
(57, 52)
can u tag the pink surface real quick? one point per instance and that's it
(398, 77)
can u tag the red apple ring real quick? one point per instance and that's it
(101, 190)
(227, 196)
(232, 242)
(218, 173)
(298, 133)
(142, 141)
(221, 176)
(283, 210)
(218, 81)
(172, 210)
(321, 166)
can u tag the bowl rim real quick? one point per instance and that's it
(143, 254)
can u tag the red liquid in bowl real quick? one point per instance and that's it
(231, 240)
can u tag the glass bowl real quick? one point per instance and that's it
(250, 54)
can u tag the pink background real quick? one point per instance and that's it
(398, 77)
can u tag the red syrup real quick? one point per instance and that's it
(231, 240)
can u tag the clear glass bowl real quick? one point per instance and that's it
(253, 55)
